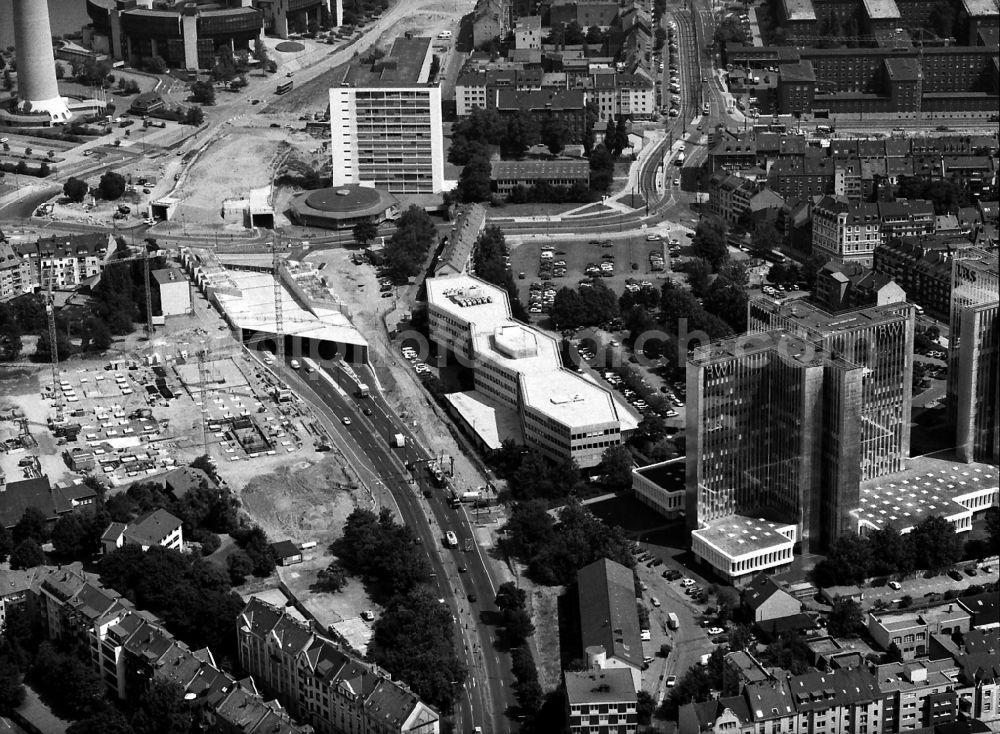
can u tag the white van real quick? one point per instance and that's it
(444, 35)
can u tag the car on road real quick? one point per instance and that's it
(368, 615)
(955, 575)
(671, 681)
(677, 182)
(716, 631)
(652, 238)
(346, 421)
(654, 601)
(895, 585)
(462, 569)
(688, 582)
(294, 364)
(472, 598)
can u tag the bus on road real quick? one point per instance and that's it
(284, 87)
(777, 257)
(450, 539)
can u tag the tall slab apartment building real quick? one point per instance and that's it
(974, 358)
(786, 422)
(385, 122)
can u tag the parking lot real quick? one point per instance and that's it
(628, 259)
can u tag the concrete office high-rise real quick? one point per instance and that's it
(37, 91)
(880, 340)
(385, 122)
(772, 435)
(974, 358)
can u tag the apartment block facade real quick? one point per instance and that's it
(385, 122)
(974, 358)
(15, 273)
(66, 261)
(332, 690)
(128, 648)
(601, 702)
(922, 267)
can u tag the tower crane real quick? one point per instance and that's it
(279, 324)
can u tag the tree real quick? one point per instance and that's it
(203, 92)
(194, 116)
(156, 65)
(765, 237)
(10, 341)
(616, 465)
(510, 596)
(365, 231)
(253, 540)
(76, 189)
(847, 562)
(993, 528)
(69, 536)
(33, 525)
(935, 544)
(602, 168)
(891, 552)
(26, 554)
(567, 309)
(112, 185)
(709, 241)
(11, 688)
(474, 181)
(699, 275)
(845, 618)
(555, 134)
(163, 710)
(517, 626)
(6, 544)
(413, 639)
(106, 720)
(332, 578)
(98, 335)
(621, 135)
(644, 706)
(260, 51)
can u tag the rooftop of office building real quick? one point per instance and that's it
(739, 535)
(928, 487)
(824, 323)
(548, 387)
(790, 347)
(407, 64)
(881, 9)
(799, 10)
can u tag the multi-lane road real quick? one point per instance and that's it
(461, 577)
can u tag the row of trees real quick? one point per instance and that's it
(554, 550)
(489, 259)
(409, 245)
(932, 545)
(413, 638)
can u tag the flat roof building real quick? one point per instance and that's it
(661, 486)
(508, 175)
(563, 414)
(601, 700)
(174, 290)
(385, 122)
(314, 322)
(956, 492)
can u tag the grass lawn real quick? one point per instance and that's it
(529, 210)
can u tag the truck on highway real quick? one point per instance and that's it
(672, 621)
(363, 391)
(399, 440)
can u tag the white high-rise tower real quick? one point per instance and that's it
(37, 90)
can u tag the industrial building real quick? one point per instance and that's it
(314, 322)
(521, 390)
(974, 358)
(385, 122)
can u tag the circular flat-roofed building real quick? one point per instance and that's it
(341, 207)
